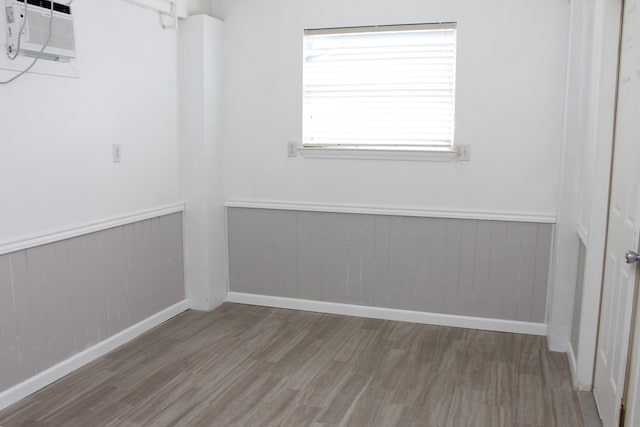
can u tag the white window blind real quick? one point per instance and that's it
(380, 87)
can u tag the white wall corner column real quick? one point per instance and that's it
(563, 272)
(606, 30)
(199, 82)
(584, 188)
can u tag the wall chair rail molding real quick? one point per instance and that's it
(89, 227)
(543, 218)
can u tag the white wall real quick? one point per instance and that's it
(510, 99)
(195, 7)
(56, 167)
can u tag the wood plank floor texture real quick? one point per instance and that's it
(255, 366)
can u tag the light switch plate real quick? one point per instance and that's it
(292, 149)
(117, 153)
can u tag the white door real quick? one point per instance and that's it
(618, 293)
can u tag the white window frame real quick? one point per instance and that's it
(428, 153)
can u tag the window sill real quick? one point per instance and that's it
(429, 155)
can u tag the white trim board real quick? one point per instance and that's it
(572, 362)
(44, 378)
(583, 234)
(373, 154)
(415, 212)
(92, 227)
(390, 314)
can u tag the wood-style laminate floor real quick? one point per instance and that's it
(254, 366)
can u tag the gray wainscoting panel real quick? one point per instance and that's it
(59, 299)
(577, 304)
(492, 269)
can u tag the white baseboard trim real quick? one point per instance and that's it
(415, 212)
(67, 233)
(43, 379)
(572, 363)
(391, 314)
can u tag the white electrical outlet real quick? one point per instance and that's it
(292, 149)
(464, 153)
(117, 153)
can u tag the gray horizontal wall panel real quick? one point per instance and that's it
(59, 299)
(491, 269)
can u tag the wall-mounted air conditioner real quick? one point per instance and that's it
(61, 45)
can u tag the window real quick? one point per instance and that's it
(389, 88)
